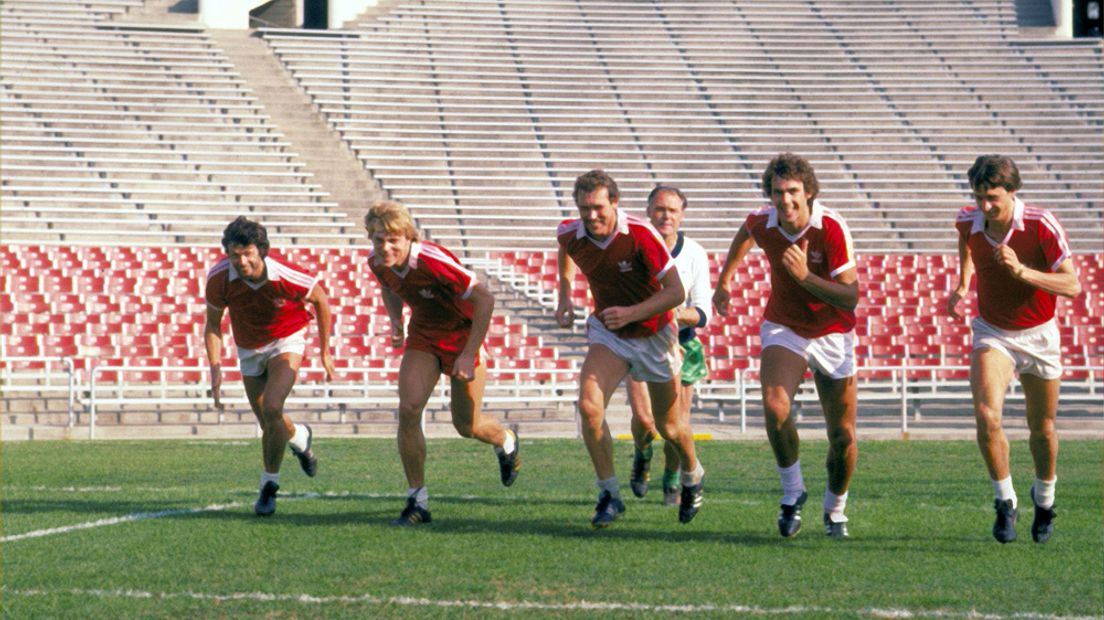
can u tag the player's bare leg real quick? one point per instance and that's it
(839, 401)
(674, 426)
(418, 375)
(267, 394)
(990, 373)
(781, 374)
(644, 433)
(469, 421)
(1041, 400)
(467, 416)
(601, 373)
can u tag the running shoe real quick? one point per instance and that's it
(789, 517)
(413, 514)
(608, 510)
(306, 457)
(266, 503)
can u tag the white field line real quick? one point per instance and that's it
(406, 601)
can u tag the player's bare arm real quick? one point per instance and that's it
(483, 303)
(965, 275)
(741, 245)
(1062, 282)
(321, 303)
(394, 304)
(212, 340)
(671, 295)
(565, 309)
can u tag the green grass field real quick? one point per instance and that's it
(189, 546)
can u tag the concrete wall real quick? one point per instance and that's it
(234, 14)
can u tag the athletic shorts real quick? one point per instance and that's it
(693, 362)
(1034, 351)
(656, 358)
(445, 346)
(254, 362)
(832, 355)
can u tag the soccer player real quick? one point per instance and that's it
(635, 286)
(666, 208)
(1022, 259)
(450, 315)
(267, 299)
(809, 323)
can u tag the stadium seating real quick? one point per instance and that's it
(144, 132)
(473, 112)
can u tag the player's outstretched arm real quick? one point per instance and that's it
(212, 340)
(321, 303)
(965, 274)
(741, 245)
(393, 304)
(1062, 282)
(565, 309)
(483, 303)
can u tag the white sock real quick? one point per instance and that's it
(834, 506)
(610, 484)
(1004, 491)
(420, 495)
(1043, 490)
(793, 484)
(692, 478)
(508, 443)
(299, 439)
(267, 477)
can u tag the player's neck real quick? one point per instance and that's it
(996, 230)
(671, 241)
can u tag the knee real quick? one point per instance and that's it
(410, 416)
(988, 417)
(777, 405)
(842, 438)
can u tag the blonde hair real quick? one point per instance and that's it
(393, 217)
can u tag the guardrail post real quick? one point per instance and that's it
(92, 403)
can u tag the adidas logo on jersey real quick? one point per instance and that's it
(624, 265)
(426, 293)
(816, 257)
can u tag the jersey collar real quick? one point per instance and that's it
(816, 220)
(622, 228)
(978, 225)
(272, 274)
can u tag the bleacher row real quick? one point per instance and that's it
(480, 114)
(139, 134)
(143, 307)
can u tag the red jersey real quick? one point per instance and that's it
(624, 269)
(1039, 242)
(435, 286)
(830, 252)
(261, 313)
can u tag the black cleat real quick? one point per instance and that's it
(690, 502)
(413, 514)
(510, 464)
(641, 471)
(266, 503)
(307, 460)
(1043, 525)
(833, 529)
(789, 517)
(608, 510)
(1004, 527)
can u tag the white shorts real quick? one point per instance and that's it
(832, 355)
(656, 358)
(253, 362)
(1033, 351)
